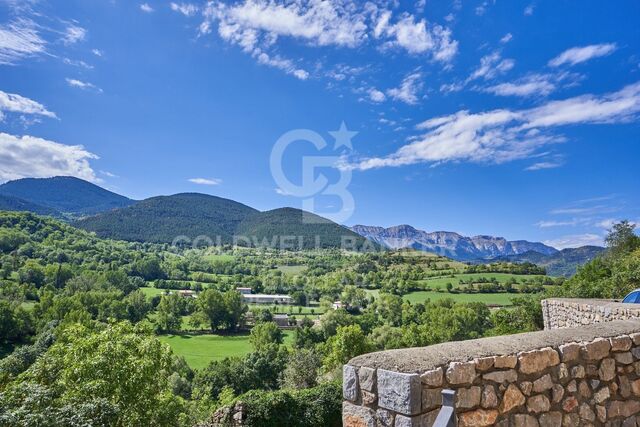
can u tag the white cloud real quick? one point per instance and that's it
(77, 63)
(28, 156)
(14, 103)
(528, 11)
(187, 9)
(534, 84)
(19, 40)
(408, 90)
(506, 38)
(545, 165)
(205, 181)
(146, 8)
(97, 52)
(376, 96)
(283, 64)
(576, 241)
(576, 55)
(550, 224)
(82, 85)
(491, 66)
(500, 136)
(74, 34)
(258, 25)
(282, 192)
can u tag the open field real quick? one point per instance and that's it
(200, 350)
(441, 282)
(292, 269)
(150, 292)
(491, 299)
(219, 257)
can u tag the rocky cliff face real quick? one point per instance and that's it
(449, 244)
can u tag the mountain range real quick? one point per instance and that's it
(449, 244)
(162, 219)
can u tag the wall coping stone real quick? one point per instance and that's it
(421, 359)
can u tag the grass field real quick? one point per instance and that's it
(292, 270)
(219, 257)
(200, 350)
(491, 299)
(150, 292)
(441, 282)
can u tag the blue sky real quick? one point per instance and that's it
(517, 119)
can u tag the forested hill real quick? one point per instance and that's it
(162, 219)
(65, 194)
(10, 203)
(564, 263)
(296, 226)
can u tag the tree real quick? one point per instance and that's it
(169, 310)
(137, 306)
(449, 287)
(347, 343)
(265, 334)
(622, 239)
(101, 375)
(235, 309)
(212, 306)
(302, 369)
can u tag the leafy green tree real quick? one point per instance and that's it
(622, 239)
(32, 273)
(114, 374)
(347, 343)
(265, 334)
(169, 312)
(235, 308)
(302, 369)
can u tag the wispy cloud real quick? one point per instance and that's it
(11, 102)
(74, 34)
(528, 11)
(205, 181)
(576, 241)
(19, 39)
(576, 55)
(187, 9)
(83, 85)
(146, 8)
(376, 96)
(97, 52)
(77, 63)
(491, 66)
(409, 89)
(506, 38)
(28, 156)
(545, 165)
(500, 136)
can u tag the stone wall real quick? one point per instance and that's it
(569, 313)
(561, 377)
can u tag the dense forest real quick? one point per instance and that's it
(83, 321)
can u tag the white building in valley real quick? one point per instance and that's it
(267, 299)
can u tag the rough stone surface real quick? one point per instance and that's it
(432, 378)
(551, 419)
(431, 398)
(478, 418)
(500, 377)
(489, 397)
(522, 420)
(542, 384)
(502, 362)
(468, 398)
(399, 392)
(621, 343)
(357, 416)
(596, 350)
(538, 403)
(367, 378)
(569, 352)
(461, 373)
(483, 364)
(512, 398)
(535, 361)
(385, 418)
(607, 369)
(350, 386)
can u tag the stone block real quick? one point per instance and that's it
(570, 404)
(624, 358)
(586, 413)
(601, 395)
(557, 393)
(399, 392)
(460, 373)
(542, 384)
(538, 403)
(596, 350)
(551, 419)
(357, 416)
(385, 418)
(536, 361)
(570, 352)
(350, 387)
(367, 378)
(570, 420)
(483, 364)
(478, 418)
(578, 371)
(522, 420)
(432, 378)
(526, 387)
(431, 398)
(468, 398)
(622, 408)
(505, 362)
(415, 421)
(620, 343)
(511, 399)
(500, 377)
(489, 397)
(607, 370)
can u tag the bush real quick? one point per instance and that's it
(315, 407)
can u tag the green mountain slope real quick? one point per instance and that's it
(10, 203)
(65, 194)
(563, 263)
(163, 219)
(289, 227)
